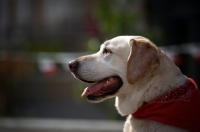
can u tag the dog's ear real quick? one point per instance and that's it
(142, 60)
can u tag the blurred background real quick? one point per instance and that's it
(39, 37)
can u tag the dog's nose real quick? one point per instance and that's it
(73, 65)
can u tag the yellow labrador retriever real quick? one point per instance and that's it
(141, 77)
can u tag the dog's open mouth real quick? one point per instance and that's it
(103, 88)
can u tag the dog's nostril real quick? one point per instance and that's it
(73, 65)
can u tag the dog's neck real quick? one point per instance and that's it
(149, 88)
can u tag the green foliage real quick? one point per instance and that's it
(115, 17)
(124, 17)
(93, 45)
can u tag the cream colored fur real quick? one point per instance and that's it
(162, 78)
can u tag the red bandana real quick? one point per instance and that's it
(180, 108)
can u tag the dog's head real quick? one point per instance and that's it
(121, 61)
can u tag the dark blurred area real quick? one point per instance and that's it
(39, 37)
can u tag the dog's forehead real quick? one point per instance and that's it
(121, 40)
(118, 41)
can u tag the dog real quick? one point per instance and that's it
(149, 88)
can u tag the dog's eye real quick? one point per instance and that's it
(107, 51)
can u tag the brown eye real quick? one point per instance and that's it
(106, 51)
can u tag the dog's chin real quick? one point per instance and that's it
(102, 99)
(102, 89)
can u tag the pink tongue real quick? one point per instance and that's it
(94, 88)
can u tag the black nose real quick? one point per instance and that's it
(73, 65)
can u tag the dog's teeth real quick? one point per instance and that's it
(110, 79)
(89, 92)
(107, 82)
